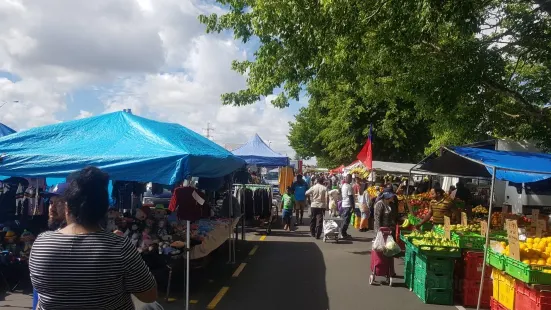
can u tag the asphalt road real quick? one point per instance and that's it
(293, 271)
(287, 270)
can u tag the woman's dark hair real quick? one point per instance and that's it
(87, 196)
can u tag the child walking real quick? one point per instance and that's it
(287, 205)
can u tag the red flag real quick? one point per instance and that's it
(366, 154)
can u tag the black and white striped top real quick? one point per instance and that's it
(88, 271)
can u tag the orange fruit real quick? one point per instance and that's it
(549, 261)
(541, 262)
(526, 261)
(529, 240)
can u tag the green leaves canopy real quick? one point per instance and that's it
(424, 72)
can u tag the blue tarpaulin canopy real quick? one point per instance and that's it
(5, 130)
(128, 147)
(518, 167)
(256, 152)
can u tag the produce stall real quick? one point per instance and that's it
(520, 257)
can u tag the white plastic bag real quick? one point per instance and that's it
(379, 243)
(391, 247)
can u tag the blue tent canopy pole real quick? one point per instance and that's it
(487, 242)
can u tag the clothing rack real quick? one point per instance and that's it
(252, 187)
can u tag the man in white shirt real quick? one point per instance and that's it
(318, 199)
(347, 204)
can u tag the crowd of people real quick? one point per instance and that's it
(345, 196)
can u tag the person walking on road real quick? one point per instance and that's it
(299, 188)
(385, 215)
(318, 198)
(287, 205)
(347, 204)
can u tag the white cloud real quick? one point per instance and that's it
(148, 55)
(84, 114)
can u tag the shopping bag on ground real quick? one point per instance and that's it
(391, 247)
(379, 243)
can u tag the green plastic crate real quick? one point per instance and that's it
(525, 273)
(438, 296)
(469, 240)
(409, 272)
(434, 280)
(438, 265)
(495, 260)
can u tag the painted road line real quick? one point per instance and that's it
(460, 307)
(194, 301)
(263, 238)
(251, 253)
(238, 270)
(218, 297)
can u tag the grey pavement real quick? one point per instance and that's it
(289, 270)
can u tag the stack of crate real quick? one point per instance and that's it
(409, 259)
(504, 289)
(433, 279)
(469, 281)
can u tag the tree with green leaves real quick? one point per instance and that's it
(424, 72)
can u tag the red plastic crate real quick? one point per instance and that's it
(473, 262)
(532, 298)
(495, 305)
(470, 293)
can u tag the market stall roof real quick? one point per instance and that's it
(518, 167)
(5, 130)
(128, 147)
(384, 166)
(257, 152)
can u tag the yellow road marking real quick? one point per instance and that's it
(251, 253)
(193, 301)
(172, 299)
(263, 238)
(218, 297)
(239, 269)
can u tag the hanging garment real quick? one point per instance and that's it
(19, 200)
(186, 202)
(286, 178)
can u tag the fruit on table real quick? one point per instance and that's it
(534, 251)
(436, 243)
(426, 234)
(405, 224)
(468, 228)
(480, 209)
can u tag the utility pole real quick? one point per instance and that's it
(208, 130)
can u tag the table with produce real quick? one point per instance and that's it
(448, 271)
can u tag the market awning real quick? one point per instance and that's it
(128, 147)
(384, 166)
(257, 152)
(518, 167)
(5, 130)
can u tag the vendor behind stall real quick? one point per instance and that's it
(439, 207)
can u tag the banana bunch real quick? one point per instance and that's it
(361, 172)
(480, 209)
(373, 191)
(405, 224)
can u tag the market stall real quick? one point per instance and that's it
(257, 153)
(128, 148)
(5, 130)
(521, 267)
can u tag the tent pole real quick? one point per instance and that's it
(487, 238)
(188, 236)
(230, 228)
